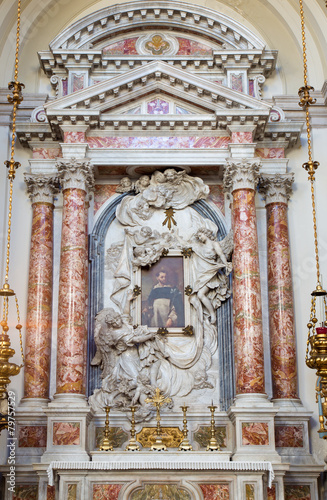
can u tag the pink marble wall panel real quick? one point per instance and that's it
(281, 314)
(78, 82)
(248, 338)
(64, 86)
(158, 142)
(271, 492)
(106, 491)
(158, 107)
(72, 137)
(215, 491)
(32, 436)
(189, 47)
(289, 436)
(297, 492)
(51, 493)
(66, 433)
(102, 193)
(255, 433)
(46, 153)
(125, 47)
(216, 195)
(39, 304)
(270, 152)
(242, 137)
(71, 314)
(26, 492)
(237, 82)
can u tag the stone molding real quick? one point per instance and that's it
(276, 188)
(243, 174)
(41, 187)
(76, 174)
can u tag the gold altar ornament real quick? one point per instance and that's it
(171, 436)
(106, 444)
(213, 444)
(188, 330)
(133, 444)
(185, 444)
(157, 401)
(316, 352)
(7, 369)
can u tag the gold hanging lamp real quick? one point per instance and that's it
(316, 353)
(7, 369)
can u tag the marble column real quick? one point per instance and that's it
(76, 178)
(277, 189)
(240, 178)
(41, 189)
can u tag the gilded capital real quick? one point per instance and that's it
(242, 174)
(76, 174)
(276, 188)
(41, 187)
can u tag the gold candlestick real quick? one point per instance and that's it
(213, 444)
(185, 444)
(157, 401)
(133, 444)
(105, 444)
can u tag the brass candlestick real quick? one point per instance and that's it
(213, 444)
(157, 401)
(185, 444)
(133, 444)
(105, 444)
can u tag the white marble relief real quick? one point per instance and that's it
(163, 284)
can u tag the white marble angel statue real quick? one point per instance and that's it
(210, 261)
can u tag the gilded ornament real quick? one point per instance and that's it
(188, 290)
(187, 252)
(188, 330)
(169, 220)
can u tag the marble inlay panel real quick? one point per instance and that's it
(237, 82)
(249, 492)
(66, 433)
(117, 436)
(72, 492)
(203, 435)
(255, 433)
(78, 82)
(72, 137)
(26, 492)
(51, 492)
(215, 491)
(297, 492)
(147, 142)
(242, 137)
(192, 48)
(46, 153)
(32, 436)
(125, 47)
(289, 436)
(272, 492)
(162, 491)
(270, 152)
(102, 192)
(106, 491)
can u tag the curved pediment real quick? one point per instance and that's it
(97, 29)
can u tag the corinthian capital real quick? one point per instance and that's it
(41, 187)
(76, 174)
(276, 188)
(242, 174)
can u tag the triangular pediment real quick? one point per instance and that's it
(157, 76)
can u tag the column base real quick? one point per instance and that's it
(253, 418)
(68, 417)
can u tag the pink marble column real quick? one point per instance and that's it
(277, 190)
(41, 189)
(240, 178)
(77, 178)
